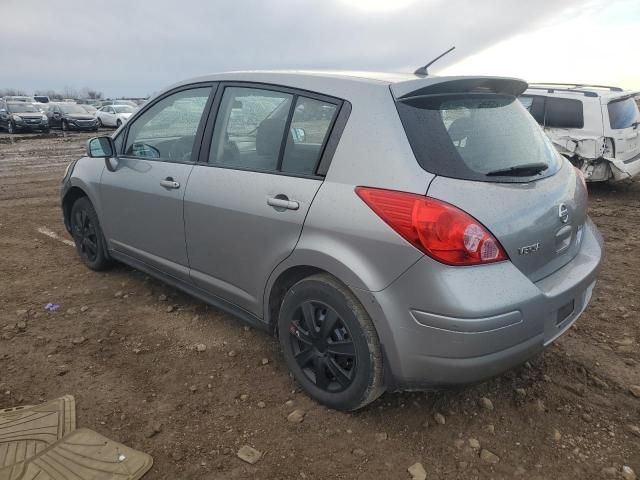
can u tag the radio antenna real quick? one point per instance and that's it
(424, 70)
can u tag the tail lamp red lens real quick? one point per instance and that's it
(440, 230)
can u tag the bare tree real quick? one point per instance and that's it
(70, 92)
(11, 92)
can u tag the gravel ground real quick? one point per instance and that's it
(166, 374)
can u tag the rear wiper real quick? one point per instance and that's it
(523, 170)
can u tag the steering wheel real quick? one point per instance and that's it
(178, 152)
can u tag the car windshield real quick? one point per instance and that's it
(623, 113)
(477, 137)
(72, 108)
(21, 107)
(122, 109)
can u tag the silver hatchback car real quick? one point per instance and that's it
(394, 231)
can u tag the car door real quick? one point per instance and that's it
(107, 117)
(142, 190)
(249, 194)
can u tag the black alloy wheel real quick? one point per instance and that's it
(330, 344)
(87, 235)
(323, 346)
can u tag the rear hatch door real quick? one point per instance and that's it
(621, 124)
(493, 161)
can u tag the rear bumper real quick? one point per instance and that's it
(443, 325)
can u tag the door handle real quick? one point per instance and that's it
(169, 182)
(282, 201)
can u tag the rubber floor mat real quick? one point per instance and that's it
(82, 455)
(27, 431)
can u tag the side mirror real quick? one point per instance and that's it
(298, 135)
(101, 147)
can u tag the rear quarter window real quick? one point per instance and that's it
(563, 113)
(623, 113)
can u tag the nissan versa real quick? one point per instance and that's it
(395, 231)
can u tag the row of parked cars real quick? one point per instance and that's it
(24, 114)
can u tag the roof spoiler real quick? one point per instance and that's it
(448, 85)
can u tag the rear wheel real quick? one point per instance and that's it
(330, 344)
(87, 235)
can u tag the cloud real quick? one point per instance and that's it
(126, 47)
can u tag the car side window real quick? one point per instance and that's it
(563, 113)
(167, 130)
(310, 126)
(249, 128)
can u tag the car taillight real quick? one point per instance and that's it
(440, 230)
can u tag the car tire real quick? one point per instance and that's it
(118, 123)
(65, 126)
(11, 128)
(46, 130)
(339, 365)
(100, 123)
(88, 236)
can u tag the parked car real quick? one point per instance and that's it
(70, 116)
(113, 115)
(424, 233)
(41, 98)
(595, 127)
(22, 116)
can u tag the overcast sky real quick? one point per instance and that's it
(136, 47)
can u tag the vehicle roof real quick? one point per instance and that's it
(344, 83)
(578, 90)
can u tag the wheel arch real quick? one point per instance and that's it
(302, 265)
(70, 197)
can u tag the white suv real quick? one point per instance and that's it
(594, 126)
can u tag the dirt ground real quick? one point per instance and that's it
(124, 345)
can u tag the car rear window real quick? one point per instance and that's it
(623, 113)
(563, 113)
(475, 136)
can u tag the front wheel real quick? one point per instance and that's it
(87, 235)
(65, 126)
(330, 344)
(100, 123)
(11, 128)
